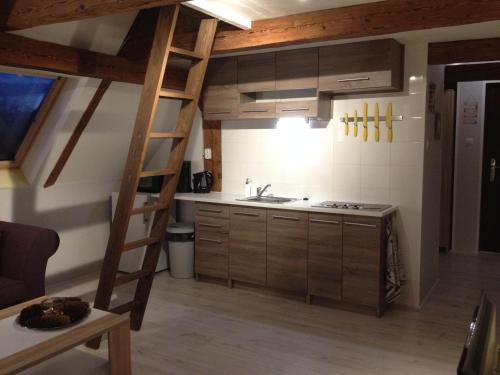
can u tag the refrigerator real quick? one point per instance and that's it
(139, 228)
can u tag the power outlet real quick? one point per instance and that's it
(207, 154)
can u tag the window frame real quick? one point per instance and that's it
(37, 123)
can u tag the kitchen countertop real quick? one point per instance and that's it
(300, 205)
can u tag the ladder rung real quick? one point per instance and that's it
(140, 243)
(126, 307)
(161, 135)
(173, 94)
(186, 53)
(161, 172)
(147, 208)
(131, 277)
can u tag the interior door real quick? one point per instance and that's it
(489, 233)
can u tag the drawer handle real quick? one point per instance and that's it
(324, 221)
(210, 240)
(210, 210)
(219, 113)
(295, 109)
(360, 224)
(210, 225)
(356, 79)
(279, 217)
(246, 214)
(255, 110)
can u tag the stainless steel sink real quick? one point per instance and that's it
(267, 199)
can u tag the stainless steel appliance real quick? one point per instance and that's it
(352, 206)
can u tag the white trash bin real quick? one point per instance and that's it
(180, 237)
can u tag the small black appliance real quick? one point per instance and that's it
(202, 182)
(184, 184)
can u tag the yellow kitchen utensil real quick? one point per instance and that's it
(388, 122)
(355, 124)
(365, 122)
(376, 123)
(346, 126)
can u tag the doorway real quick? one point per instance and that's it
(489, 233)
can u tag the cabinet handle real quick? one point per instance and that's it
(353, 79)
(255, 110)
(210, 210)
(279, 217)
(295, 109)
(210, 225)
(246, 214)
(219, 113)
(210, 240)
(324, 221)
(360, 224)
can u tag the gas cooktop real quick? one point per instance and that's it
(352, 206)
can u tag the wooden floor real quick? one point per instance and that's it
(201, 328)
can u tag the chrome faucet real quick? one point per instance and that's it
(261, 190)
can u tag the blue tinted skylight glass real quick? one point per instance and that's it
(20, 100)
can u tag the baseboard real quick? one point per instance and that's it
(89, 268)
(431, 290)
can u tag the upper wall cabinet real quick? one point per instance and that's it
(257, 72)
(221, 96)
(372, 66)
(297, 69)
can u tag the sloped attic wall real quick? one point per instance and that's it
(77, 207)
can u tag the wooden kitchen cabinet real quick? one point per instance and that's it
(287, 250)
(247, 245)
(220, 95)
(212, 240)
(257, 72)
(297, 69)
(371, 66)
(324, 261)
(363, 262)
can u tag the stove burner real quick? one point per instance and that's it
(352, 206)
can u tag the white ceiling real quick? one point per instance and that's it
(242, 12)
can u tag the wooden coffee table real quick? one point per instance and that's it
(21, 348)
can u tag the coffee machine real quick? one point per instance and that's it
(184, 184)
(202, 182)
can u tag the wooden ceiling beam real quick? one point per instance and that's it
(21, 52)
(464, 51)
(364, 20)
(23, 14)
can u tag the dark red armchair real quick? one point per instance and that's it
(24, 252)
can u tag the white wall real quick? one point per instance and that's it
(325, 164)
(77, 207)
(468, 167)
(431, 201)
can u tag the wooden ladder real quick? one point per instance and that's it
(134, 170)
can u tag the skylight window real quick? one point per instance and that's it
(21, 99)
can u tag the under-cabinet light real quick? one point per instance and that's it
(292, 123)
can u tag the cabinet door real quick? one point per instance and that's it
(257, 72)
(247, 245)
(297, 69)
(324, 260)
(211, 254)
(221, 96)
(362, 272)
(373, 66)
(287, 250)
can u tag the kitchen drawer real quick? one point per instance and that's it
(299, 108)
(372, 66)
(212, 224)
(257, 110)
(211, 254)
(247, 245)
(324, 260)
(362, 261)
(287, 250)
(221, 102)
(212, 210)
